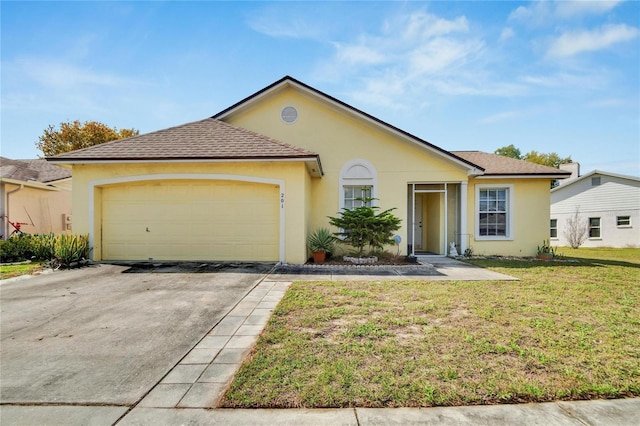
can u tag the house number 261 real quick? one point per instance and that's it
(282, 200)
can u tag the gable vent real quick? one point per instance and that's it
(289, 114)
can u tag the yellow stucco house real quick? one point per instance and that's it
(252, 181)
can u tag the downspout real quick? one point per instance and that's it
(7, 210)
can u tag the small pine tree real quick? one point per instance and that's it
(362, 226)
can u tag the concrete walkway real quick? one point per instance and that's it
(203, 375)
(430, 268)
(191, 390)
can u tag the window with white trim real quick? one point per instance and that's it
(594, 227)
(494, 212)
(358, 181)
(553, 228)
(357, 196)
(623, 221)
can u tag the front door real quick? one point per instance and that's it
(429, 217)
(417, 223)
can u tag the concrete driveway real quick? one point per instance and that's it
(98, 336)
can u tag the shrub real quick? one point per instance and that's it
(16, 248)
(363, 226)
(546, 248)
(43, 246)
(321, 240)
(576, 230)
(61, 250)
(71, 249)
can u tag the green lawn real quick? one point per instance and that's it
(9, 271)
(567, 330)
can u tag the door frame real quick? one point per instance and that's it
(459, 223)
(414, 191)
(418, 223)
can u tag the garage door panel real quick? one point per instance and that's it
(135, 210)
(126, 231)
(207, 220)
(131, 249)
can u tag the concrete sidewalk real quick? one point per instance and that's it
(619, 412)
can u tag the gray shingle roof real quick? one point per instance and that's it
(37, 170)
(494, 164)
(205, 139)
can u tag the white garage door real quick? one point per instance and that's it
(190, 220)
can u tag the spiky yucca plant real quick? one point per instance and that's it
(70, 249)
(44, 246)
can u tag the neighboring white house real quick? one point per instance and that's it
(608, 203)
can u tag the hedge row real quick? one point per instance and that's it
(62, 250)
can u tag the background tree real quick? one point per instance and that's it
(551, 159)
(75, 135)
(509, 151)
(576, 229)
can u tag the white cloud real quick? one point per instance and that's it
(413, 58)
(359, 54)
(471, 84)
(421, 25)
(572, 43)
(48, 85)
(387, 91)
(567, 9)
(275, 23)
(545, 12)
(537, 13)
(506, 34)
(411, 54)
(440, 55)
(591, 80)
(612, 103)
(61, 76)
(290, 29)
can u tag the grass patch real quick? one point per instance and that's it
(10, 271)
(567, 330)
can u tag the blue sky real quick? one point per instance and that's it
(546, 76)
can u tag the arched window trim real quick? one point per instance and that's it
(366, 175)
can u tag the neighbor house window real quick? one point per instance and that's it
(494, 211)
(595, 181)
(623, 220)
(553, 228)
(358, 181)
(357, 196)
(594, 227)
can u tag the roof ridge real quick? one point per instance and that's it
(35, 169)
(348, 107)
(116, 141)
(569, 182)
(208, 138)
(500, 165)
